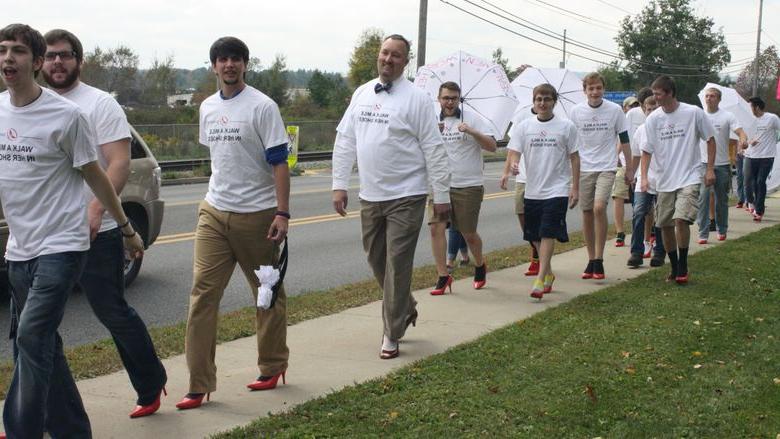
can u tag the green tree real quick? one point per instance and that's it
(768, 72)
(158, 82)
(320, 88)
(617, 78)
(362, 63)
(114, 70)
(666, 35)
(498, 58)
(271, 81)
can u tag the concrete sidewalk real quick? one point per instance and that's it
(329, 353)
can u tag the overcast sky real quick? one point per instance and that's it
(322, 33)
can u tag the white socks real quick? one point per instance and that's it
(389, 345)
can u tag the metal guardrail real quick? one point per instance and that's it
(303, 157)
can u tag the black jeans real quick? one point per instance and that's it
(756, 173)
(103, 282)
(42, 395)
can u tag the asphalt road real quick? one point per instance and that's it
(325, 251)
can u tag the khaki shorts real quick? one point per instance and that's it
(465, 204)
(520, 198)
(681, 204)
(429, 213)
(620, 188)
(595, 186)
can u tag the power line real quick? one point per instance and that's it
(577, 14)
(607, 27)
(616, 7)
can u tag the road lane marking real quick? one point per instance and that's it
(189, 236)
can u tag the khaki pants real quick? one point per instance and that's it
(390, 232)
(221, 240)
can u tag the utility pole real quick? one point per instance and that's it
(422, 29)
(758, 48)
(563, 61)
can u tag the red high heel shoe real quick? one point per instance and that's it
(267, 382)
(533, 268)
(480, 276)
(441, 285)
(187, 403)
(146, 410)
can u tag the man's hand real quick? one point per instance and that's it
(441, 210)
(95, 216)
(278, 230)
(754, 142)
(645, 186)
(709, 177)
(502, 181)
(340, 199)
(629, 176)
(574, 197)
(463, 127)
(134, 245)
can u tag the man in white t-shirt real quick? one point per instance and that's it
(552, 176)
(724, 123)
(465, 135)
(391, 130)
(673, 135)
(642, 220)
(103, 278)
(600, 126)
(46, 146)
(621, 191)
(520, 172)
(760, 157)
(243, 219)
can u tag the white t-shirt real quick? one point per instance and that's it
(640, 139)
(395, 138)
(109, 124)
(547, 147)
(237, 132)
(463, 150)
(673, 140)
(42, 148)
(597, 134)
(724, 123)
(521, 116)
(767, 129)
(634, 118)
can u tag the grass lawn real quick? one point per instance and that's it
(640, 359)
(101, 358)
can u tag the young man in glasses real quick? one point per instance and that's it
(465, 135)
(47, 152)
(103, 280)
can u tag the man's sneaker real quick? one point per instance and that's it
(721, 236)
(620, 240)
(713, 226)
(657, 260)
(533, 268)
(588, 273)
(598, 269)
(740, 204)
(635, 260)
(702, 240)
(648, 249)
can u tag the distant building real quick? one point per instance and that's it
(180, 100)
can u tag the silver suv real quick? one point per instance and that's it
(140, 200)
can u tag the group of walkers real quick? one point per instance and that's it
(64, 232)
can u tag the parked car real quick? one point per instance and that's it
(140, 200)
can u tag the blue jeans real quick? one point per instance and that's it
(740, 165)
(43, 395)
(756, 173)
(103, 282)
(643, 202)
(721, 187)
(455, 243)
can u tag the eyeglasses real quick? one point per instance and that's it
(543, 99)
(449, 98)
(65, 55)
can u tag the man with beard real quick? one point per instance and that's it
(391, 130)
(103, 280)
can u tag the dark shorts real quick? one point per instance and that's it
(546, 219)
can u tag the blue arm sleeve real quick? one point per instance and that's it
(623, 136)
(276, 155)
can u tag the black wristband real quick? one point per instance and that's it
(130, 235)
(122, 226)
(282, 213)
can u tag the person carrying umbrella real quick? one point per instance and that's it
(465, 135)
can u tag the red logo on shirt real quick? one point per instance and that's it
(377, 107)
(223, 120)
(669, 126)
(11, 134)
(543, 133)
